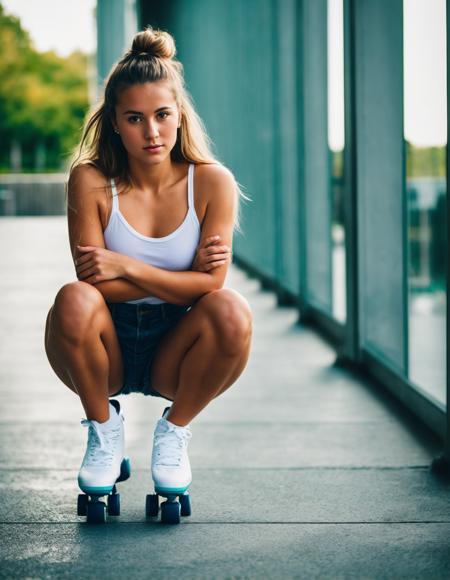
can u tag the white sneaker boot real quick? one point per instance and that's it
(171, 470)
(100, 468)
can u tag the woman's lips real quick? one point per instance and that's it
(153, 150)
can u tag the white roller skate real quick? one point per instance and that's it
(171, 471)
(103, 466)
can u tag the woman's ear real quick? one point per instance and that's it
(113, 123)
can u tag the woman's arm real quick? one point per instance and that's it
(85, 228)
(121, 277)
(176, 287)
(186, 287)
(209, 255)
(120, 290)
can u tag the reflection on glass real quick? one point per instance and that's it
(336, 143)
(425, 124)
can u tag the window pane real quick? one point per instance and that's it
(336, 143)
(425, 122)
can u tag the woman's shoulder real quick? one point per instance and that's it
(88, 189)
(213, 172)
(86, 180)
(86, 176)
(212, 178)
(88, 184)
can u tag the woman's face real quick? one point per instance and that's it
(147, 114)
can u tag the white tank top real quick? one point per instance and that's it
(175, 251)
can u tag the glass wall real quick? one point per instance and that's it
(336, 144)
(425, 135)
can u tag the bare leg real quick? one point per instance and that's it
(82, 347)
(204, 354)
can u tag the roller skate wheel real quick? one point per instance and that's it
(151, 505)
(114, 504)
(96, 512)
(170, 512)
(82, 504)
(185, 502)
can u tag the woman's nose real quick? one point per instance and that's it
(151, 130)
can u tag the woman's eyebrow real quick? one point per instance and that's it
(141, 113)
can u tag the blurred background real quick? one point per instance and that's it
(333, 116)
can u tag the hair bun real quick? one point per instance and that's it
(153, 42)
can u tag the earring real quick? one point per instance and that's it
(116, 131)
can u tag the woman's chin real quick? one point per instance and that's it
(150, 159)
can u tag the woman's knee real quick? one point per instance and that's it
(231, 317)
(74, 308)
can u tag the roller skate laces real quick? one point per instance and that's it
(104, 453)
(171, 470)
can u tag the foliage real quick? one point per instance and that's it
(425, 161)
(43, 98)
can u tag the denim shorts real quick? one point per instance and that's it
(139, 328)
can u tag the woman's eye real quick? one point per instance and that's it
(133, 119)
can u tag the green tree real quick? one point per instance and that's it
(43, 100)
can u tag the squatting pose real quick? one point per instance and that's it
(151, 215)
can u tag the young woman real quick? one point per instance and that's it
(148, 204)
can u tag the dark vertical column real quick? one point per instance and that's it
(381, 211)
(316, 159)
(441, 465)
(156, 13)
(447, 442)
(116, 26)
(303, 256)
(285, 151)
(350, 347)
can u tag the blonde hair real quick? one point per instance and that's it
(150, 59)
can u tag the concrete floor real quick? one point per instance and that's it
(299, 470)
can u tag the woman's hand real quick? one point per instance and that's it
(97, 264)
(209, 255)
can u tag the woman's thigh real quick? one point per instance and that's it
(77, 302)
(224, 313)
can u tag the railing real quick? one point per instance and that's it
(32, 194)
